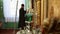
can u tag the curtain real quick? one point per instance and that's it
(1, 9)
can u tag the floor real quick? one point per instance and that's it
(12, 31)
(8, 31)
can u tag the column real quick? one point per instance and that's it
(38, 12)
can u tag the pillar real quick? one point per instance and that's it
(38, 12)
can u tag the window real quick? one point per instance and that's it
(10, 9)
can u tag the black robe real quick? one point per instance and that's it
(21, 23)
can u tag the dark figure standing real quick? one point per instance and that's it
(21, 23)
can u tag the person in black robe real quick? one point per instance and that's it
(22, 12)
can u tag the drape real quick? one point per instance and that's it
(1, 9)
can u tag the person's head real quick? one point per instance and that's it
(22, 5)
